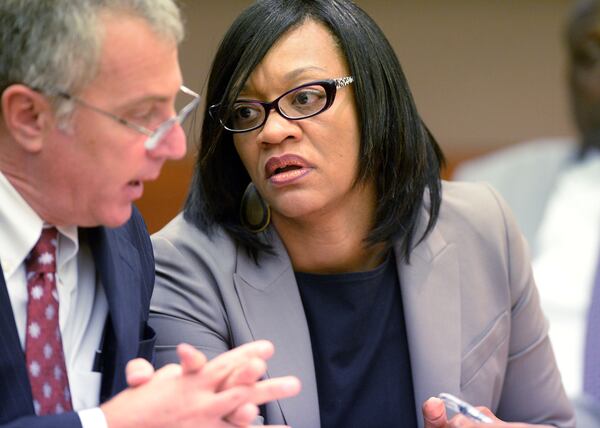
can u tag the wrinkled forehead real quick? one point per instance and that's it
(135, 59)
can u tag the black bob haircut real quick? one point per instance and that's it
(396, 149)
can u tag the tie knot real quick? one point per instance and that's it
(42, 257)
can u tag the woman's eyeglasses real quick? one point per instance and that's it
(305, 101)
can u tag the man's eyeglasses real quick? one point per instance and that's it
(154, 137)
(302, 102)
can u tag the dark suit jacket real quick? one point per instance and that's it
(123, 258)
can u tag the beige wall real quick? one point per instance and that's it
(484, 73)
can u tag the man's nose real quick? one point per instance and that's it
(172, 146)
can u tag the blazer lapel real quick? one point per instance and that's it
(15, 391)
(273, 309)
(432, 308)
(117, 264)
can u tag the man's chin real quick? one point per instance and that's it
(117, 218)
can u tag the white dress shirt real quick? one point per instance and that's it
(568, 244)
(83, 304)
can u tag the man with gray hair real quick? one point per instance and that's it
(88, 89)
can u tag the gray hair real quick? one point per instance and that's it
(55, 45)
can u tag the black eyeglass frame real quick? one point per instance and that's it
(330, 85)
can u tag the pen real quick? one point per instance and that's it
(464, 408)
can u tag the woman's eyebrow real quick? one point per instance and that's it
(299, 71)
(290, 75)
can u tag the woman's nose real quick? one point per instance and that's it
(277, 129)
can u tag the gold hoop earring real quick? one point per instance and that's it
(255, 214)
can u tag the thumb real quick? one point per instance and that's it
(434, 413)
(192, 360)
(138, 372)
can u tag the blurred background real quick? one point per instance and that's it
(484, 74)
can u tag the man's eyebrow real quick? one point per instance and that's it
(143, 100)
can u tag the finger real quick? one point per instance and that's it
(217, 369)
(434, 413)
(243, 415)
(462, 421)
(275, 389)
(247, 374)
(226, 402)
(168, 371)
(459, 421)
(488, 412)
(191, 359)
(138, 372)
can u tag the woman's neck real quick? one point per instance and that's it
(332, 241)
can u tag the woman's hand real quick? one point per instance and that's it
(434, 414)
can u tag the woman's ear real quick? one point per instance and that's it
(26, 114)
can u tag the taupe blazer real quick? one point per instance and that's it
(474, 325)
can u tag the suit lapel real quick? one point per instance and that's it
(273, 309)
(432, 308)
(15, 391)
(117, 265)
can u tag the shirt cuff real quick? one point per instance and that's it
(92, 418)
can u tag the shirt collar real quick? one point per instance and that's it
(21, 227)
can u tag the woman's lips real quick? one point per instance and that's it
(290, 176)
(284, 165)
(286, 169)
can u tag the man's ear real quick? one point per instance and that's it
(26, 114)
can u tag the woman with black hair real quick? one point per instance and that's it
(317, 219)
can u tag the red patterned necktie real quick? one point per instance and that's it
(43, 344)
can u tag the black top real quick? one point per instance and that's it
(360, 349)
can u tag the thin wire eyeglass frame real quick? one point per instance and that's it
(154, 137)
(338, 83)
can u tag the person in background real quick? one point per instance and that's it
(317, 219)
(553, 186)
(88, 90)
